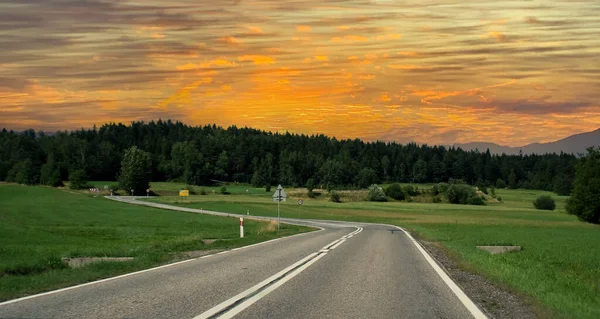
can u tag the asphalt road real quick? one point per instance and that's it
(345, 270)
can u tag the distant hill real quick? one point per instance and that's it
(574, 144)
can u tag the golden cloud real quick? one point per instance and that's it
(350, 38)
(303, 28)
(391, 36)
(257, 59)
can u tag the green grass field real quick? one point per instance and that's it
(39, 226)
(559, 267)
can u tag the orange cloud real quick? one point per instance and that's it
(182, 96)
(323, 58)
(405, 67)
(257, 59)
(350, 38)
(223, 62)
(255, 30)
(391, 36)
(230, 40)
(438, 95)
(385, 97)
(496, 35)
(303, 28)
(408, 53)
(367, 77)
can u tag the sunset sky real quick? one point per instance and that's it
(509, 72)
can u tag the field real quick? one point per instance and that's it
(559, 267)
(39, 226)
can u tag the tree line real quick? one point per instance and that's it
(202, 155)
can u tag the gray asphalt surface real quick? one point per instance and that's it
(373, 274)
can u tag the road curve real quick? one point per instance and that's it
(344, 270)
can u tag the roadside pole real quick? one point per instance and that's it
(241, 227)
(279, 196)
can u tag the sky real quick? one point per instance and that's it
(435, 72)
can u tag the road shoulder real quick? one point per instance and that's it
(498, 302)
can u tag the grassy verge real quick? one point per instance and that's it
(39, 226)
(559, 266)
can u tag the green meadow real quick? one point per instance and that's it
(558, 268)
(39, 226)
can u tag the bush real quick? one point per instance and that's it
(493, 192)
(202, 191)
(544, 202)
(410, 190)
(77, 179)
(395, 191)
(585, 198)
(436, 199)
(310, 185)
(376, 194)
(500, 183)
(483, 189)
(335, 197)
(267, 188)
(499, 198)
(456, 181)
(475, 200)
(460, 193)
(440, 188)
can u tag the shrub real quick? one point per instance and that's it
(475, 200)
(460, 193)
(335, 197)
(410, 190)
(77, 179)
(395, 191)
(456, 181)
(499, 198)
(376, 194)
(500, 183)
(493, 192)
(224, 190)
(436, 199)
(190, 188)
(440, 188)
(267, 188)
(544, 202)
(202, 191)
(310, 185)
(483, 189)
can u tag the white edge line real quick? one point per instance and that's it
(239, 308)
(145, 270)
(466, 301)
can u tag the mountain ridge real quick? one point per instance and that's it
(574, 144)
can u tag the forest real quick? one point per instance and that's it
(203, 155)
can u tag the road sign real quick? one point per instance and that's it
(279, 195)
(184, 193)
(300, 202)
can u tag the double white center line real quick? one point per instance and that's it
(236, 304)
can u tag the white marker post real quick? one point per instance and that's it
(241, 227)
(148, 192)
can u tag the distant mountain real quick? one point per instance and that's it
(574, 144)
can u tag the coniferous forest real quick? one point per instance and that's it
(207, 154)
